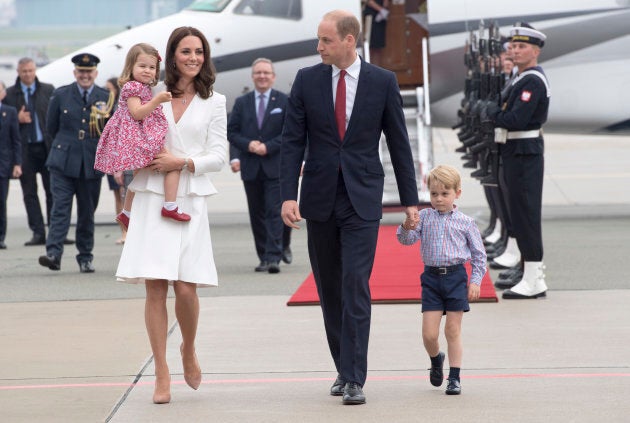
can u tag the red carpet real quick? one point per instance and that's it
(395, 276)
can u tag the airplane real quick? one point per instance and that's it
(585, 57)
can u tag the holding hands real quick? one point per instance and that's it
(412, 220)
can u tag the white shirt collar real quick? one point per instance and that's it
(353, 70)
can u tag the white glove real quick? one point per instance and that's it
(382, 15)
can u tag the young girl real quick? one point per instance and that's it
(136, 131)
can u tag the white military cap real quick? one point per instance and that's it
(525, 33)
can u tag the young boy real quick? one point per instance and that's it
(448, 238)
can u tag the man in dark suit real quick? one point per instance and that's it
(341, 106)
(10, 157)
(31, 97)
(255, 131)
(75, 121)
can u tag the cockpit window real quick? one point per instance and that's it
(209, 5)
(287, 9)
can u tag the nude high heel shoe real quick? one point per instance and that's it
(191, 376)
(162, 392)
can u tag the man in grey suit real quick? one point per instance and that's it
(75, 121)
(255, 131)
(340, 107)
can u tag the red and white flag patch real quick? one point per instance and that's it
(526, 96)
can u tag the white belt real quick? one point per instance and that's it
(515, 135)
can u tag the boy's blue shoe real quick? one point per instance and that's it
(436, 375)
(453, 387)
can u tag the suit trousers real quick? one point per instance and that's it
(35, 163)
(341, 251)
(524, 180)
(87, 192)
(4, 194)
(264, 204)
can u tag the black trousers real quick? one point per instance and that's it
(264, 203)
(524, 182)
(4, 194)
(341, 251)
(30, 168)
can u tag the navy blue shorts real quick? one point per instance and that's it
(445, 292)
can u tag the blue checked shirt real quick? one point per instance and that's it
(447, 239)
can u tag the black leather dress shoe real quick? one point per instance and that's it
(287, 255)
(36, 240)
(453, 387)
(274, 267)
(3, 246)
(511, 295)
(336, 389)
(68, 241)
(51, 262)
(262, 267)
(353, 394)
(436, 373)
(86, 267)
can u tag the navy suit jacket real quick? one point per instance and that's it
(310, 116)
(243, 128)
(10, 147)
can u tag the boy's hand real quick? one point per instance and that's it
(473, 292)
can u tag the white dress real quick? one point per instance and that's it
(161, 248)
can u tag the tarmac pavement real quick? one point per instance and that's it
(75, 347)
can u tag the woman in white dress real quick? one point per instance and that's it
(159, 251)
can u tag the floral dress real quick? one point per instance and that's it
(127, 143)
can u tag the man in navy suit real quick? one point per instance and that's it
(75, 119)
(255, 130)
(10, 157)
(342, 184)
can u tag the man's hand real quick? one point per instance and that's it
(17, 171)
(235, 166)
(291, 213)
(24, 116)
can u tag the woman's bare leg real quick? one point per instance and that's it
(156, 320)
(187, 312)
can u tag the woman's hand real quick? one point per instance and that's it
(164, 161)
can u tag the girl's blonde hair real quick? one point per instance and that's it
(447, 176)
(132, 58)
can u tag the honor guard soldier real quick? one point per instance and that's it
(76, 116)
(518, 130)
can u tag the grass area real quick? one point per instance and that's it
(54, 42)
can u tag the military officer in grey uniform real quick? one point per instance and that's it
(75, 119)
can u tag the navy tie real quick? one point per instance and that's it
(32, 133)
(85, 97)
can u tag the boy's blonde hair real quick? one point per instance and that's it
(132, 58)
(447, 176)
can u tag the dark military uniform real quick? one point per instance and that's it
(523, 113)
(71, 166)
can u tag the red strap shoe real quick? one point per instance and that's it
(175, 215)
(123, 220)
